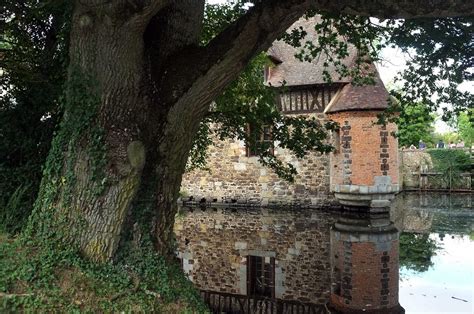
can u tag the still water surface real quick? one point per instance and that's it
(437, 269)
(284, 254)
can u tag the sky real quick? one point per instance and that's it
(393, 62)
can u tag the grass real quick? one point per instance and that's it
(34, 279)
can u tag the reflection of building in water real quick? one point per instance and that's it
(285, 255)
(364, 264)
(409, 218)
(280, 254)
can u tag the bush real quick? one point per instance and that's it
(451, 163)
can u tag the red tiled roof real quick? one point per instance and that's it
(366, 97)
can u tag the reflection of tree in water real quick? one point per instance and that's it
(416, 251)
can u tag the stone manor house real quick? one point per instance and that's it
(363, 170)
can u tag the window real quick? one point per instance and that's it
(261, 276)
(259, 139)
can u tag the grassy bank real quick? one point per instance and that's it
(49, 280)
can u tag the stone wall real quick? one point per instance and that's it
(233, 176)
(214, 245)
(411, 161)
(416, 167)
(366, 161)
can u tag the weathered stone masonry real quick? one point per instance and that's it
(233, 176)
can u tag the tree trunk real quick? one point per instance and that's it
(114, 127)
(102, 136)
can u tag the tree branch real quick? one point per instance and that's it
(395, 9)
(213, 67)
(149, 9)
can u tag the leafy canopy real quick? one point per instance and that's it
(415, 123)
(465, 124)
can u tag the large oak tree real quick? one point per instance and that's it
(140, 82)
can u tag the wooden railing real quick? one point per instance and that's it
(220, 302)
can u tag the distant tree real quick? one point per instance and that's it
(415, 123)
(465, 125)
(447, 137)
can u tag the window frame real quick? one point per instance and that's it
(261, 276)
(264, 136)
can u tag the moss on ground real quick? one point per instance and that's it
(45, 279)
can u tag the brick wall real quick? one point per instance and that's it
(366, 149)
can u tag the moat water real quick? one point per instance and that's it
(437, 260)
(285, 254)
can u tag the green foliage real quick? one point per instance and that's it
(447, 137)
(416, 251)
(14, 214)
(48, 280)
(415, 123)
(33, 68)
(442, 59)
(450, 158)
(218, 16)
(450, 163)
(59, 176)
(248, 102)
(466, 127)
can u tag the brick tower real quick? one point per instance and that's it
(364, 167)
